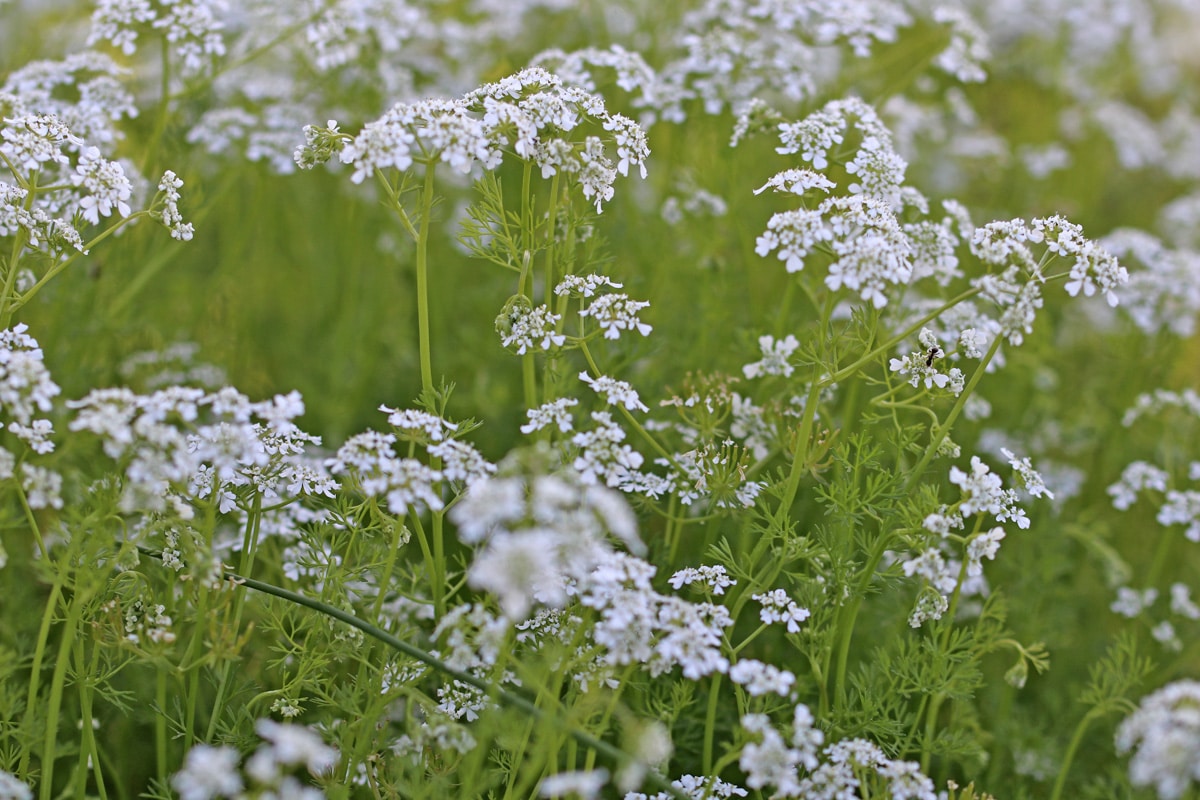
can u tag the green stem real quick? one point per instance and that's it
(848, 617)
(1076, 740)
(436, 579)
(160, 722)
(245, 564)
(89, 753)
(50, 741)
(710, 723)
(423, 278)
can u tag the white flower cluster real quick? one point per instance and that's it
(769, 761)
(602, 457)
(1031, 479)
(983, 492)
(759, 678)
(696, 788)
(193, 27)
(1154, 402)
(713, 474)
(182, 447)
(209, 772)
(13, 789)
(530, 114)
(739, 49)
(1165, 293)
(539, 532)
(83, 91)
(616, 312)
(527, 328)
(75, 180)
(778, 608)
(615, 392)
(554, 413)
(1164, 733)
(370, 460)
(640, 626)
(775, 357)
(1093, 268)
(920, 366)
(345, 29)
(714, 577)
(26, 388)
(168, 195)
(1136, 477)
(870, 247)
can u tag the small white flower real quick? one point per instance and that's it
(775, 357)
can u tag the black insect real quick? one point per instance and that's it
(934, 352)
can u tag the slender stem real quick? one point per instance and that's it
(423, 278)
(1076, 740)
(848, 616)
(160, 722)
(90, 752)
(710, 723)
(245, 564)
(436, 579)
(50, 741)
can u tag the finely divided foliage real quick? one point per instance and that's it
(763, 436)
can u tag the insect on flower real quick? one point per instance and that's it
(934, 353)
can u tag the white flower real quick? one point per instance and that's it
(759, 678)
(208, 772)
(715, 577)
(775, 357)
(105, 185)
(168, 188)
(615, 392)
(584, 784)
(615, 313)
(530, 328)
(1029, 476)
(797, 182)
(294, 745)
(777, 607)
(1131, 603)
(985, 545)
(554, 413)
(1136, 477)
(1164, 732)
